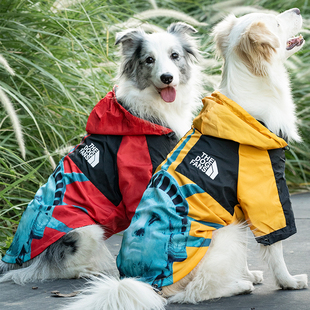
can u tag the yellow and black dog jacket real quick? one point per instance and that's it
(228, 167)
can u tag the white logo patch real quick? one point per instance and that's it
(206, 164)
(91, 154)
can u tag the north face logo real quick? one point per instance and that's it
(91, 154)
(206, 164)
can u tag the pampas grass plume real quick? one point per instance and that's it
(8, 106)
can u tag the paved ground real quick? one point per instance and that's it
(37, 296)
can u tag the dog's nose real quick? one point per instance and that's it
(166, 78)
(297, 11)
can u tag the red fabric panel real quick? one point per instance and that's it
(100, 209)
(70, 166)
(109, 118)
(86, 195)
(39, 245)
(72, 217)
(134, 172)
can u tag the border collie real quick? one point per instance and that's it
(95, 189)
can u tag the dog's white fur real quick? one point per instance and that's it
(254, 74)
(138, 89)
(91, 257)
(254, 49)
(178, 115)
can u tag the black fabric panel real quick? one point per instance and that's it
(104, 174)
(159, 147)
(277, 158)
(220, 159)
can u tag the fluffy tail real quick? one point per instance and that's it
(105, 293)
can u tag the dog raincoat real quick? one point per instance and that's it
(228, 167)
(101, 181)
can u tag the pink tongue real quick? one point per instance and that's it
(168, 94)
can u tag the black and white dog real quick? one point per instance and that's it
(158, 89)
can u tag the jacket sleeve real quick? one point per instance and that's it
(263, 194)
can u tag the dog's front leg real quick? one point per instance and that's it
(255, 276)
(273, 255)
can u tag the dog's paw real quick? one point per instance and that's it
(256, 276)
(244, 287)
(295, 283)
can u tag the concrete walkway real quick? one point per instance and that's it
(37, 296)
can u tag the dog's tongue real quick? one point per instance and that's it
(168, 94)
(297, 41)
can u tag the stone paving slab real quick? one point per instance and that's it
(37, 296)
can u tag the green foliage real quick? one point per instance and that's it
(65, 61)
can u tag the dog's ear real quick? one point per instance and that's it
(181, 28)
(183, 31)
(221, 33)
(256, 48)
(128, 35)
(130, 39)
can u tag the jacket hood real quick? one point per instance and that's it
(224, 118)
(108, 117)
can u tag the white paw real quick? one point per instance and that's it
(256, 276)
(295, 283)
(244, 287)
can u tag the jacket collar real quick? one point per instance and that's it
(109, 117)
(223, 118)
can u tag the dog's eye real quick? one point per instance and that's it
(278, 25)
(150, 60)
(174, 55)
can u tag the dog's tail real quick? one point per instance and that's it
(106, 293)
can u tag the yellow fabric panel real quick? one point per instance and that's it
(200, 230)
(258, 193)
(238, 215)
(202, 207)
(194, 254)
(181, 269)
(221, 117)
